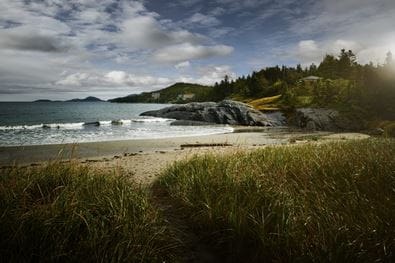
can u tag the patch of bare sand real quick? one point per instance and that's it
(144, 168)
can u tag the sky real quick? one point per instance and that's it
(63, 49)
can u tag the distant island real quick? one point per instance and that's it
(177, 93)
(87, 99)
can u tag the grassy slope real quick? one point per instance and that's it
(333, 202)
(169, 94)
(71, 213)
(267, 103)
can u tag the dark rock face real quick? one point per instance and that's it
(116, 122)
(224, 112)
(189, 123)
(315, 119)
(95, 123)
(376, 132)
(319, 119)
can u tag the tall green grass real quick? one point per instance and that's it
(332, 202)
(70, 213)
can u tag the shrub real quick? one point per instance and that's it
(389, 130)
(332, 202)
(72, 213)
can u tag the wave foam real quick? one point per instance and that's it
(152, 120)
(66, 126)
(105, 123)
(80, 125)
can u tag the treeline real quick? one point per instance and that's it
(342, 83)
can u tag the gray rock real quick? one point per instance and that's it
(350, 122)
(116, 122)
(277, 118)
(315, 119)
(95, 123)
(224, 112)
(319, 119)
(376, 132)
(189, 123)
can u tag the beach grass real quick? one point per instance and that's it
(326, 202)
(73, 213)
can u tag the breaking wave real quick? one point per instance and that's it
(81, 125)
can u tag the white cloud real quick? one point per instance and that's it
(188, 51)
(79, 79)
(188, 3)
(28, 38)
(211, 74)
(220, 32)
(123, 78)
(41, 39)
(218, 11)
(111, 79)
(308, 46)
(143, 31)
(146, 32)
(183, 65)
(119, 80)
(340, 44)
(202, 20)
(359, 25)
(310, 51)
(208, 75)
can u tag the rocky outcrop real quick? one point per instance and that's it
(224, 112)
(315, 119)
(238, 113)
(88, 124)
(189, 123)
(319, 119)
(117, 122)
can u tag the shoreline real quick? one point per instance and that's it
(39, 153)
(143, 160)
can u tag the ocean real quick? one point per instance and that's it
(39, 123)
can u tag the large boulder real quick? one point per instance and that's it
(224, 112)
(320, 119)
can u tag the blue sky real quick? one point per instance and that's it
(58, 49)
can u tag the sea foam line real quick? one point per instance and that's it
(80, 125)
(153, 119)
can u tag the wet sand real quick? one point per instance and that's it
(144, 159)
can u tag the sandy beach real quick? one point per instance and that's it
(144, 159)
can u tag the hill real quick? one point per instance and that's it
(177, 93)
(43, 100)
(87, 99)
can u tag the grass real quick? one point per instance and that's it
(388, 127)
(326, 202)
(389, 130)
(267, 103)
(331, 202)
(70, 213)
(305, 101)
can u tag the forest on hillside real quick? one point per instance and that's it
(342, 84)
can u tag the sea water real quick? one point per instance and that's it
(38, 123)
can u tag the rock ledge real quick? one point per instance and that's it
(224, 112)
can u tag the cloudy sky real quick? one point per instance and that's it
(61, 49)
